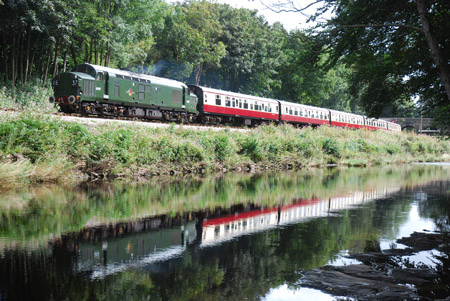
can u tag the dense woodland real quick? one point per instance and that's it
(381, 58)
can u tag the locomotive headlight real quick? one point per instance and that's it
(74, 82)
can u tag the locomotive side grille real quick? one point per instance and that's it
(176, 96)
(88, 87)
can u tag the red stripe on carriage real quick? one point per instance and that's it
(304, 119)
(347, 125)
(244, 215)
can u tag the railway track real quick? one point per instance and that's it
(146, 122)
(94, 120)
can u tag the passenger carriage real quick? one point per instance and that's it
(296, 113)
(217, 106)
(394, 127)
(375, 124)
(349, 120)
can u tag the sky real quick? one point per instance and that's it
(289, 20)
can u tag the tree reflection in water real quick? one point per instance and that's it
(169, 241)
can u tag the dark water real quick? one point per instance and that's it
(239, 236)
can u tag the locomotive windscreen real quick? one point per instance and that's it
(83, 68)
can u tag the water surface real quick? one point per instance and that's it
(237, 236)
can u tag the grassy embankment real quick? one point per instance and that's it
(36, 147)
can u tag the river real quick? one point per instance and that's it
(232, 236)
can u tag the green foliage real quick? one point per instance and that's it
(330, 146)
(30, 97)
(136, 150)
(391, 64)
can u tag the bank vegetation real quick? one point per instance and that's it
(38, 147)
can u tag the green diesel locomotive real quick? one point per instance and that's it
(95, 90)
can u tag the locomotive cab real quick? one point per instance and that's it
(82, 83)
(66, 87)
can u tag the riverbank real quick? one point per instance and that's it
(390, 274)
(36, 147)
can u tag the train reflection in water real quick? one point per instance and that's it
(229, 227)
(106, 250)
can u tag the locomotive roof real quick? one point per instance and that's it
(151, 78)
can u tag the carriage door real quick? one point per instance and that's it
(100, 86)
(184, 98)
(106, 79)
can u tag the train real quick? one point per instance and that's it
(96, 90)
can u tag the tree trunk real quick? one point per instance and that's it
(27, 64)
(198, 74)
(47, 65)
(55, 60)
(32, 61)
(95, 53)
(74, 54)
(436, 55)
(20, 59)
(86, 57)
(4, 57)
(90, 51)
(13, 61)
(64, 61)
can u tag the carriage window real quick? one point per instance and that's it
(296, 113)
(245, 104)
(251, 106)
(277, 108)
(290, 111)
(227, 101)
(240, 103)
(218, 100)
(233, 102)
(206, 97)
(286, 110)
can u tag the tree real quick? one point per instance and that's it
(253, 51)
(190, 38)
(397, 47)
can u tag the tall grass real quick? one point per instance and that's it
(39, 147)
(30, 97)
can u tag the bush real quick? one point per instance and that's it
(331, 147)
